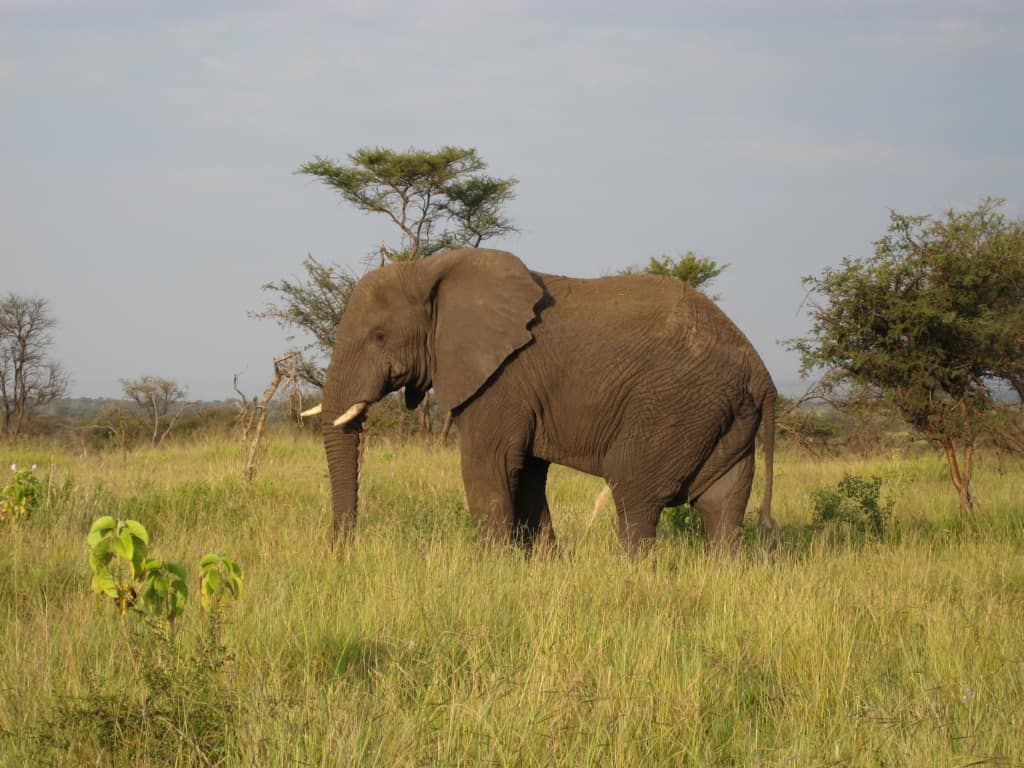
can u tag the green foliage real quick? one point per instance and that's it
(164, 705)
(854, 501)
(21, 497)
(930, 323)
(220, 579)
(437, 199)
(682, 521)
(931, 319)
(689, 267)
(121, 570)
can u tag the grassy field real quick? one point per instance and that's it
(416, 647)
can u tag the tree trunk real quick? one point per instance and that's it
(961, 477)
(156, 419)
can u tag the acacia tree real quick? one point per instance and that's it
(932, 324)
(436, 200)
(28, 379)
(161, 400)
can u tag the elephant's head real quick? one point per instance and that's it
(447, 322)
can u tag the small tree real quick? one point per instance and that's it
(930, 324)
(161, 400)
(689, 267)
(28, 379)
(313, 304)
(437, 200)
(252, 413)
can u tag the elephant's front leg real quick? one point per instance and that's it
(490, 493)
(494, 454)
(490, 474)
(532, 523)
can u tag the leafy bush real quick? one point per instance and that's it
(856, 502)
(165, 705)
(21, 497)
(682, 521)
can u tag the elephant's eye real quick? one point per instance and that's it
(378, 336)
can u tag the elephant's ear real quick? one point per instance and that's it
(483, 301)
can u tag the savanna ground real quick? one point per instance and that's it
(416, 647)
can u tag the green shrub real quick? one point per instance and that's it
(682, 521)
(21, 497)
(854, 501)
(166, 704)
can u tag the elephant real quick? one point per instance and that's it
(638, 379)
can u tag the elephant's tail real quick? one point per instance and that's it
(765, 523)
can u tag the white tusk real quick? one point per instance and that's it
(350, 414)
(315, 410)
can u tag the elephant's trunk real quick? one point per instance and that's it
(342, 446)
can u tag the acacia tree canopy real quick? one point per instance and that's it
(933, 323)
(436, 199)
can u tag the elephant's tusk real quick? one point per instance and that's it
(350, 414)
(315, 410)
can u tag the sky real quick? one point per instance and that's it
(148, 153)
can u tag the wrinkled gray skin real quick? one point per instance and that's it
(638, 379)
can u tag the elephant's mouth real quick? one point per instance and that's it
(413, 395)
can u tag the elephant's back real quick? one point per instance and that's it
(637, 307)
(628, 360)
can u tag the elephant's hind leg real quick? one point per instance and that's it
(724, 503)
(532, 526)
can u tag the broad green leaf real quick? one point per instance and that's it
(102, 547)
(103, 525)
(138, 530)
(103, 584)
(99, 561)
(138, 558)
(123, 545)
(159, 583)
(208, 560)
(151, 601)
(177, 570)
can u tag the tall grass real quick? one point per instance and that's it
(417, 647)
